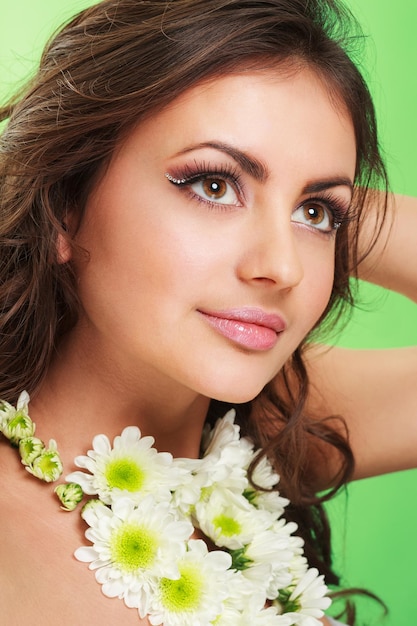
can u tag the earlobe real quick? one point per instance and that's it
(63, 249)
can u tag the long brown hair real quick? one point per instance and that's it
(110, 67)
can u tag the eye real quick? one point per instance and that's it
(217, 188)
(315, 215)
(213, 189)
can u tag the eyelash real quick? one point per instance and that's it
(337, 209)
(202, 171)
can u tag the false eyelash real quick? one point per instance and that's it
(192, 173)
(338, 208)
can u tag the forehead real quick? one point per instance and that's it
(272, 114)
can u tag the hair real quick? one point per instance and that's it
(109, 68)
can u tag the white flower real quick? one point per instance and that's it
(269, 555)
(223, 434)
(244, 595)
(192, 480)
(299, 564)
(15, 423)
(265, 477)
(47, 465)
(247, 608)
(133, 547)
(226, 456)
(229, 519)
(305, 601)
(265, 617)
(23, 401)
(195, 598)
(140, 527)
(229, 615)
(132, 467)
(264, 474)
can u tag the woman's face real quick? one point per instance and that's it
(212, 234)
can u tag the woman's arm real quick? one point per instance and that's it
(376, 393)
(376, 390)
(392, 262)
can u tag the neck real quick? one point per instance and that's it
(75, 403)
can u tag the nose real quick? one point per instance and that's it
(272, 254)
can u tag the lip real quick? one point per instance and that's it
(251, 328)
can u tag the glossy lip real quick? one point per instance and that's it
(251, 328)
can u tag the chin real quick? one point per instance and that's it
(234, 386)
(236, 395)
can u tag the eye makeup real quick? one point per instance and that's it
(221, 186)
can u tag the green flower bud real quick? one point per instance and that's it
(69, 495)
(91, 504)
(6, 412)
(18, 426)
(30, 448)
(48, 465)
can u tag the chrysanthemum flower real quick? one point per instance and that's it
(247, 608)
(133, 547)
(70, 495)
(15, 423)
(230, 520)
(223, 434)
(265, 477)
(266, 617)
(132, 467)
(305, 601)
(47, 466)
(195, 598)
(192, 479)
(30, 448)
(6, 412)
(226, 456)
(269, 557)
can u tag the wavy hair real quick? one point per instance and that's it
(110, 67)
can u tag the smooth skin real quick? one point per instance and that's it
(160, 255)
(375, 390)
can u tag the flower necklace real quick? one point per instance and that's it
(145, 508)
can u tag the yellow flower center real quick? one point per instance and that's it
(227, 525)
(133, 547)
(185, 593)
(125, 474)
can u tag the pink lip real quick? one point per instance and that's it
(249, 327)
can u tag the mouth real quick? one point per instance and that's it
(250, 328)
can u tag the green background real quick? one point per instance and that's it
(375, 524)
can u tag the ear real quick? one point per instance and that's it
(63, 249)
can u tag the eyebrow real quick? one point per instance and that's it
(248, 163)
(259, 171)
(323, 185)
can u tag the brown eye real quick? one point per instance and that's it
(214, 188)
(315, 215)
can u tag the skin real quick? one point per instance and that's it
(141, 334)
(378, 384)
(159, 254)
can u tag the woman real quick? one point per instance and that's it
(172, 184)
